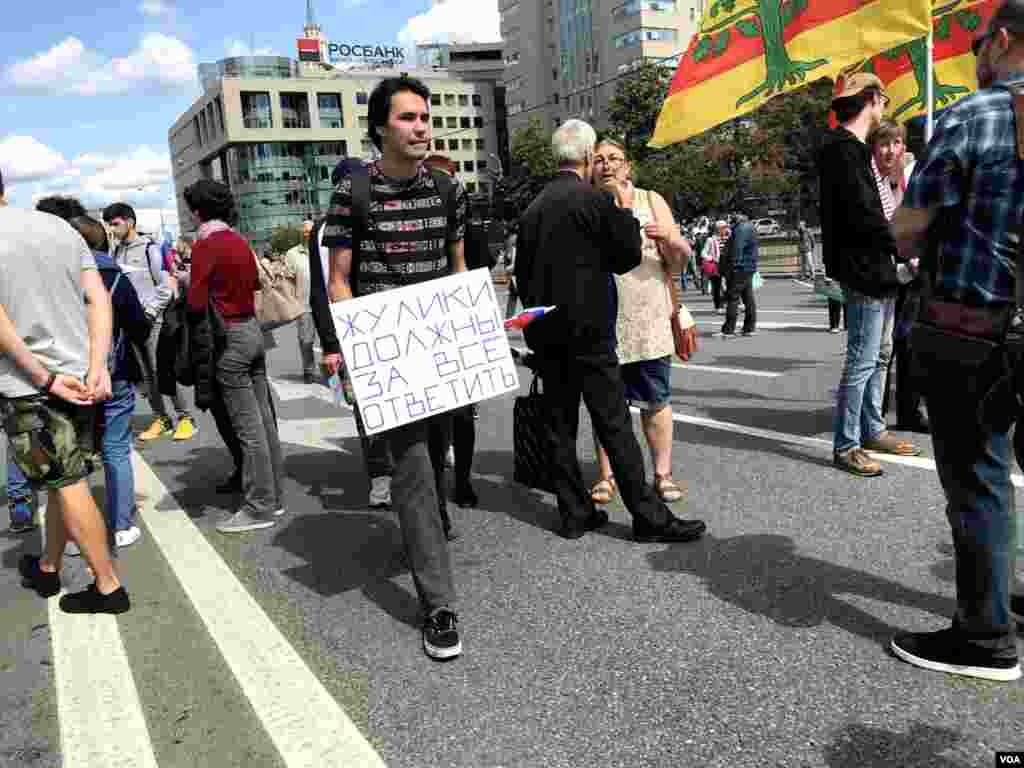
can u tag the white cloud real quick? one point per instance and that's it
(454, 21)
(235, 47)
(160, 62)
(141, 176)
(22, 158)
(156, 8)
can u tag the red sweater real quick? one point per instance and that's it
(224, 272)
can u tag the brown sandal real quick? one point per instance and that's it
(604, 491)
(667, 488)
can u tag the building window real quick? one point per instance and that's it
(451, 122)
(329, 105)
(467, 145)
(478, 122)
(439, 122)
(464, 122)
(471, 186)
(468, 166)
(512, 58)
(435, 99)
(481, 144)
(362, 98)
(364, 122)
(195, 129)
(439, 144)
(635, 7)
(220, 114)
(478, 100)
(485, 188)
(211, 126)
(481, 165)
(295, 110)
(639, 36)
(463, 100)
(449, 99)
(256, 110)
(366, 146)
(332, 149)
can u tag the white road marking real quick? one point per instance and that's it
(98, 707)
(772, 326)
(320, 433)
(760, 311)
(287, 391)
(305, 723)
(700, 368)
(803, 283)
(807, 442)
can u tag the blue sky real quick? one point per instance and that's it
(92, 88)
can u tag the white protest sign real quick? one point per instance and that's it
(424, 349)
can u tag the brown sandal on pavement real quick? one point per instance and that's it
(604, 491)
(667, 488)
(889, 443)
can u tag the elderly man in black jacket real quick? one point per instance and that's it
(571, 239)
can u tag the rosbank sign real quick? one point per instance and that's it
(338, 53)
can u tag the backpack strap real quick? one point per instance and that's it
(149, 263)
(446, 189)
(361, 199)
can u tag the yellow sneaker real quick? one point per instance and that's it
(161, 426)
(186, 429)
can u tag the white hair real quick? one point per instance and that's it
(573, 142)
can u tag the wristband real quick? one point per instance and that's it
(45, 389)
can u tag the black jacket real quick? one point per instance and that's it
(571, 238)
(858, 247)
(318, 301)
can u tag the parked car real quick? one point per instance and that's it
(767, 226)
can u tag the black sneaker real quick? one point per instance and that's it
(1017, 608)
(22, 526)
(440, 637)
(946, 651)
(91, 600)
(45, 584)
(675, 530)
(466, 497)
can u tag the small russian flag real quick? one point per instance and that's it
(526, 317)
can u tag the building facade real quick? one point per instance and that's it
(274, 129)
(562, 56)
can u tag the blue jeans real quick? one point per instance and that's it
(858, 413)
(117, 456)
(19, 493)
(974, 469)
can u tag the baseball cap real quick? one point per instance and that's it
(851, 85)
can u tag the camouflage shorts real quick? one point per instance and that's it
(55, 444)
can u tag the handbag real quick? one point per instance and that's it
(531, 454)
(757, 281)
(709, 268)
(277, 300)
(684, 333)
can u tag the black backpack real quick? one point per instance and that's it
(361, 213)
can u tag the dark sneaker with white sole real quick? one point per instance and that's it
(440, 636)
(91, 600)
(45, 584)
(947, 651)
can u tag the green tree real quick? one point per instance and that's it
(284, 237)
(633, 109)
(533, 165)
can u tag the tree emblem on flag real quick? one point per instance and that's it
(768, 20)
(943, 94)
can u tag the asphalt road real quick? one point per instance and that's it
(763, 644)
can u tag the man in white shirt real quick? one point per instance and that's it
(297, 260)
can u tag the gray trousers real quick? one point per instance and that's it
(242, 378)
(414, 500)
(306, 332)
(147, 361)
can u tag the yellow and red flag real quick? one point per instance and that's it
(903, 69)
(747, 51)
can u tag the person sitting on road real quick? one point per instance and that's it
(643, 332)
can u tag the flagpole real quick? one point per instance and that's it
(929, 89)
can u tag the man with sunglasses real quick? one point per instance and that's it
(860, 253)
(963, 208)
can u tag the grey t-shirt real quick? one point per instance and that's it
(41, 263)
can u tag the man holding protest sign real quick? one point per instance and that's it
(410, 230)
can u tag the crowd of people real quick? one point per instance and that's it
(608, 341)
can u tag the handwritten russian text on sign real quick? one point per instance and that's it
(424, 349)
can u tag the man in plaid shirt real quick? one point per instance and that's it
(965, 199)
